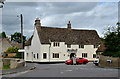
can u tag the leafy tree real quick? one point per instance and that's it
(3, 35)
(112, 43)
(16, 37)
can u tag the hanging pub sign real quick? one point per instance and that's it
(71, 50)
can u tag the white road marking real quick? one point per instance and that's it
(69, 70)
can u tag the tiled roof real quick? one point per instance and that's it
(29, 41)
(18, 45)
(101, 48)
(69, 36)
(4, 44)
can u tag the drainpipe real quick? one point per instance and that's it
(49, 49)
(49, 52)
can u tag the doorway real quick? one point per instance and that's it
(72, 54)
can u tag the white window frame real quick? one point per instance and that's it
(84, 55)
(56, 55)
(94, 56)
(82, 46)
(45, 55)
(96, 46)
(56, 44)
(68, 45)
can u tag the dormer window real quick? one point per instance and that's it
(95, 46)
(81, 46)
(68, 45)
(56, 44)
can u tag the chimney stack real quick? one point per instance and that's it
(37, 22)
(69, 25)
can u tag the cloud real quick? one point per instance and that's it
(90, 15)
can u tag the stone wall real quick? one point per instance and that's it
(105, 61)
(12, 62)
(1, 64)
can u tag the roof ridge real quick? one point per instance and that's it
(67, 28)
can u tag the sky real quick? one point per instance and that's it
(83, 15)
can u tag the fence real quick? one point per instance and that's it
(105, 61)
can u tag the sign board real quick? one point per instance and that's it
(71, 50)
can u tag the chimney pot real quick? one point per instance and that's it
(37, 22)
(69, 25)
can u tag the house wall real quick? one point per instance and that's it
(64, 54)
(34, 49)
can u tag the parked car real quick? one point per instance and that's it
(78, 61)
(96, 62)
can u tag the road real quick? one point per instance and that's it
(63, 70)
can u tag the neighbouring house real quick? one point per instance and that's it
(4, 45)
(101, 49)
(15, 44)
(51, 44)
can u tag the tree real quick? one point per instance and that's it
(3, 35)
(16, 37)
(112, 43)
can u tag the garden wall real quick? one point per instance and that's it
(11, 62)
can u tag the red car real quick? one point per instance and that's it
(78, 61)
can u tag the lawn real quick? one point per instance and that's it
(6, 67)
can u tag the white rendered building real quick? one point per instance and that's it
(51, 44)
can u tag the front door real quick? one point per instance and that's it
(72, 54)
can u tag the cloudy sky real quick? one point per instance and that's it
(83, 15)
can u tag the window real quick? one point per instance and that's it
(37, 55)
(84, 55)
(79, 58)
(27, 54)
(56, 44)
(81, 46)
(55, 55)
(44, 55)
(68, 45)
(94, 55)
(95, 46)
(34, 55)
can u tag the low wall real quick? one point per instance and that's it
(12, 62)
(1, 64)
(105, 61)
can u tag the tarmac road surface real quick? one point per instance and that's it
(63, 70)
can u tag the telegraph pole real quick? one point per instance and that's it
(22, 42)
(118, 29)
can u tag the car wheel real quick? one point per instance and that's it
(96, 64)
(77, 63)
(84, 62)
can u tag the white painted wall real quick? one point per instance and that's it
(63, 54)
(33, 49)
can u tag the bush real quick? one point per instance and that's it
(18, 55)
(12, 50)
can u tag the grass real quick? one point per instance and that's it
(6, 67)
